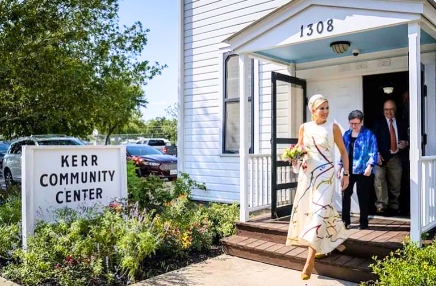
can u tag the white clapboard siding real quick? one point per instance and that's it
(196, 4)
(212, 173)
(201, 104)
(204, 124)
(190, 83)
(202, 152)
(200, 97)
(220, 168)
(204, 63)
(201, 118)
(206, 24)
(202, 70)
(203, 131)
(197, 89)
(201, 111)
(210, 35)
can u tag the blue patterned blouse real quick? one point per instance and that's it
(365, 150)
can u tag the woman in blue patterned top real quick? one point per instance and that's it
(362, 150)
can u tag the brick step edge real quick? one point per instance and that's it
(337, 266)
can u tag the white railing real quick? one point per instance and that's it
(259, 182)
(428, 193)
(285, 175)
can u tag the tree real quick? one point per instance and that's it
(164, 126)
(67, 67)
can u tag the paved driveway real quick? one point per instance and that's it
(227, 270)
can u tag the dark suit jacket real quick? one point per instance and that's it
(381, 131)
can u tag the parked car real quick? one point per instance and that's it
(161, 144)
(12, 159)
(151, 161)
(170, 150)
(3, 149)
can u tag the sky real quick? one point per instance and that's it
(161, 17)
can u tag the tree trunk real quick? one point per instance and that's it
(111, 129)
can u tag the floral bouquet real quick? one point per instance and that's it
(295, 154)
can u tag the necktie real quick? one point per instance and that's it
(393, 137)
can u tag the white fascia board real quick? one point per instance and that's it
(293, 8)
(429, 19)
(346, 21)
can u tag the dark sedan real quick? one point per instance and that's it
(151, 161)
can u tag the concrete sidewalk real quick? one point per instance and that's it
(228, 270)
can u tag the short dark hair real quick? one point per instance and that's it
(355, 114)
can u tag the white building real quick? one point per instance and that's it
(248, 66)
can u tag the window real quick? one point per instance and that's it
(16, 148)
(231, 104)
(156, 143)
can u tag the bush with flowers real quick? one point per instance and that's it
(157, 227)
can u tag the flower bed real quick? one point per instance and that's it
(156, 230)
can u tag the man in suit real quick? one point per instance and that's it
(391, 137)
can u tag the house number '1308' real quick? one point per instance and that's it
(318, 27)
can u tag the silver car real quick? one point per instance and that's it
(12, 158)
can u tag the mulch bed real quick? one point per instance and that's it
(160, 266)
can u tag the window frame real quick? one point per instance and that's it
(226, 58)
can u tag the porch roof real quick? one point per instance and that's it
(290, 33)
(389, 38)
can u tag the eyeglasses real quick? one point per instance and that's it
(354, 124)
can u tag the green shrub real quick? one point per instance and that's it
(10, 239)
(104, 249)
(152, 193)
(408, 266)
(223, 218)
(10, 206)
(111, 248)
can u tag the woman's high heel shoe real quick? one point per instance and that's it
(305, 276)
(320, 256)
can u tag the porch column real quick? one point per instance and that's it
(243, 137)
(415, 130)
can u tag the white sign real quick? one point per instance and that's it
(76, 177)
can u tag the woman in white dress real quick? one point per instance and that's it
(314, 221)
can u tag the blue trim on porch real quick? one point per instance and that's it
(367, 42)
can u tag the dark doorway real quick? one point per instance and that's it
(374, 97)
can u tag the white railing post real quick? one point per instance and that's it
(414, 34)
(243, 137)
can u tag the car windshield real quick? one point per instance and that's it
(142, 150)
(60, 142)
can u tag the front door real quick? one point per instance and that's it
(288, 112)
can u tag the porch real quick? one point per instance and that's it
(404, 36)
(263, 240)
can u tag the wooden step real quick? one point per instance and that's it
(381, 238)
(338, 266)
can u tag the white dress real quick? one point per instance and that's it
(314, 221)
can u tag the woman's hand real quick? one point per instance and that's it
(344, 182)
(368, 171)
